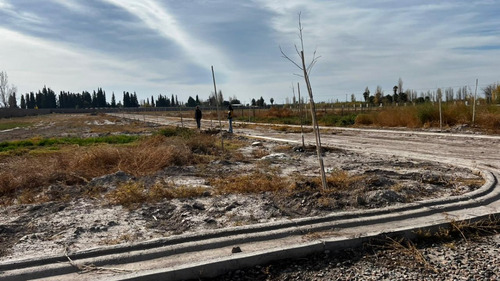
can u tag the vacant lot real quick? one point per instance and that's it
(70, 182)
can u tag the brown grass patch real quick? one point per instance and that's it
(255, 182)
(132, 194)
(78, 165)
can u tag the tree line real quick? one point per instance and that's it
(491, 95)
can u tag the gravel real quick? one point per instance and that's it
(477, 259)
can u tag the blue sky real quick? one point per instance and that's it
(167, 47)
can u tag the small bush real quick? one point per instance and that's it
(364, 119)
(177, 132)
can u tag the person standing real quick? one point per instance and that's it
(197, 116)
(230, 118)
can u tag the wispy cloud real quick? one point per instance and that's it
(157, 17)
(73, 5)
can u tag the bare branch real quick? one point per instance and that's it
(288, 58)
(300, 33)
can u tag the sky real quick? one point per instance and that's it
(167, 47)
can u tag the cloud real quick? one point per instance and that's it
(73, 5)
(38, 62)
(158, 18)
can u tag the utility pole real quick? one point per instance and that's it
(218, 113)
(474, 105)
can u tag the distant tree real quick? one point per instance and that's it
(212, 99)
(23, 102)
(254, 102)
(220, 98)
(353, 98)
(366, 94)
(12, 100)
(191, 102)
(272, 101)
(113, 100)
(395, 96)
(371, 99)
(197, 100)
(134, 101)
(5, 90)
(400, 85)
(378, 95)
(126, 99)
(387, 99)
(31, 100)
(488, 92)
(152, 101)
(260, 102)
(94, 100)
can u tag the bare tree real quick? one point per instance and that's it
(5, 90)
(305, 73)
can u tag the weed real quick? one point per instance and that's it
(11, 125)
(408, 248)
(255, 182)
(185, 133)
(50, 142)
(128, 195)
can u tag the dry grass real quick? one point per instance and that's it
(427, 115)
(22, 175)
(255, 182)
(133, 194)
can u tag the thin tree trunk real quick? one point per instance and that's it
(301, 118)
(315, 122)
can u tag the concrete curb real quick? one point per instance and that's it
(121, 254)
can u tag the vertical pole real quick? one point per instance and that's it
(301, 118)
(180, 114)
(218, 114)
(440, 114)
(474, 105)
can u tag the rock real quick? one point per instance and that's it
(210, 220)
(257, 143)
(236, 250)
(298, 149)
(275, 156)
(232, 206)
(383, 197)
(111, 179)
(198, 206)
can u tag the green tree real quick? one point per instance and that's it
(23, 102)
(366, 94)
(378, 95)
(191, 102)
(13, 100)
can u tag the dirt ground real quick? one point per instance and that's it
(83, 223)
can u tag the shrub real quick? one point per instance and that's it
(364, 119)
